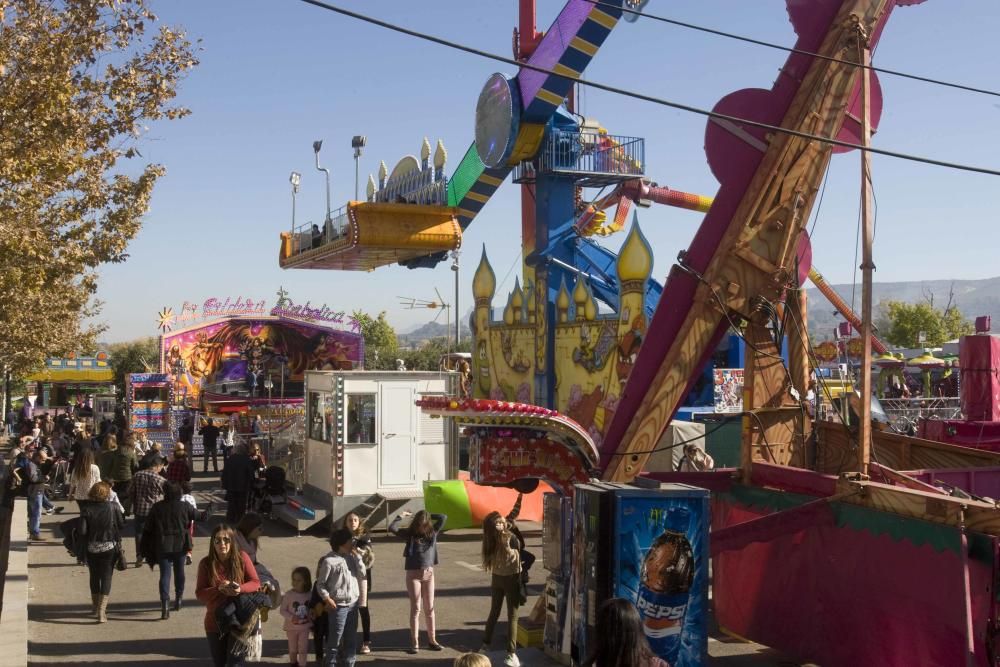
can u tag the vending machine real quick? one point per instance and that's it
(649, 546)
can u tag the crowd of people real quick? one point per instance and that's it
(117, 475)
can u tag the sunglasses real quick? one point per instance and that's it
(223, 540)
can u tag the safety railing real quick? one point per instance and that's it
(595, 158)
(310, 235)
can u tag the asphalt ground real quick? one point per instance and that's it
(62, 631)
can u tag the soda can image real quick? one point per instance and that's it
(664, 592)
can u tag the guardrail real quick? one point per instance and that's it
(310, 235)
(596, 158)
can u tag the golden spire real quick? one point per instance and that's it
(635, 261)
(383, 171)
(530, 289)
(590, 309)
(580, 291)
(440, 155)
(371, 187)
(508, 313)
(517, 300)
(425, 150)
(484, 283)
(562, 301)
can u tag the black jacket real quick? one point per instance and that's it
(238, 473)
(166, 530)
(103, 521)
(210, 436)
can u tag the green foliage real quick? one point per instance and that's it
(381, 346)
(141, 355)
(902, 323)
(428, 357)
(81, 80)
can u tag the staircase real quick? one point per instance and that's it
(379, 507)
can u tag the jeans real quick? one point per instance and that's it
(503, 587)
(175, 561)
(46, 503)
(342, 625)
(218, 646)
(420, 586)
(102, 568)
(34, 513)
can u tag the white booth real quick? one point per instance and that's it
(368, 446)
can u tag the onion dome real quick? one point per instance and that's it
(635, 261)
(484, 283)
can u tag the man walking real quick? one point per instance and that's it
(210, 441)
(146, 491)
(237, 479)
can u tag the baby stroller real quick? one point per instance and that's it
(269, 491)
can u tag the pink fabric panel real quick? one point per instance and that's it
(979, 359)
(844, 597)
(978, 435)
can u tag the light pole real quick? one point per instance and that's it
(458, 325)
(269, 385)
(318, 144)
(358, 142)
(295, 179)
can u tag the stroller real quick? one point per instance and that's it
(269, 491)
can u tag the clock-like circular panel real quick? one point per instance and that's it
(498, 116)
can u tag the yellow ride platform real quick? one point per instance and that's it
(370, 234)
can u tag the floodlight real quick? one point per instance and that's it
(359, 141)
(318, 144)
(295, 179)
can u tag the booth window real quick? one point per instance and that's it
(320, 416)
(361, 419)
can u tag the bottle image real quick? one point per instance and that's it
(665, 581)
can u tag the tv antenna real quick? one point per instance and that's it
(440, 305)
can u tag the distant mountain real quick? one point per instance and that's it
(430, 330)
(972, 297)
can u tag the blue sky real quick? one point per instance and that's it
(277, 74)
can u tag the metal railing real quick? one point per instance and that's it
(904, 413)
(600, 158)
(309, 236)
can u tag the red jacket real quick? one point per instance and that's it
(207, 592)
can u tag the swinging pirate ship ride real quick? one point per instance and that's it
(821, 547)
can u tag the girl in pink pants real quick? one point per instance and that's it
(295, 609)
(420, 556)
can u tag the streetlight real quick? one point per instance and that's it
(358, 142)
(318, 144)
(458, 319)
(295, 179)
(269, 385)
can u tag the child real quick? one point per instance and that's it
(363, 550)
(472, 660)
(502, 558)
(337, 586)
(186, 488)
(295, 609)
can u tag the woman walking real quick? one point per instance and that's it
(166, 541)
(104, 522)
(222, 575)
(502, 558)
(420, 557)
(621, 641)
(363, 550)
(83, 475)
(123, 463)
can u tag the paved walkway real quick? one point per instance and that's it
(61, 630)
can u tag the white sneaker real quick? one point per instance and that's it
(511, 660)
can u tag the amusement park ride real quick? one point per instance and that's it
(895, 571)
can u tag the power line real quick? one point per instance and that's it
(779, 47)
(651, 98)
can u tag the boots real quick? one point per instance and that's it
(164, 611)
(102, 608)
(178, 603)
(94, 597)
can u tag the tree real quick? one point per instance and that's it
(903, 322)
(79, 81)
(141, 355)
(381, 345)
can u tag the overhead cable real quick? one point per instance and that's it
(771, 45)
(650, 98)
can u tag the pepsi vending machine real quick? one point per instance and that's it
(649, 546)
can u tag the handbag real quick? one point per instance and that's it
(121, 560)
